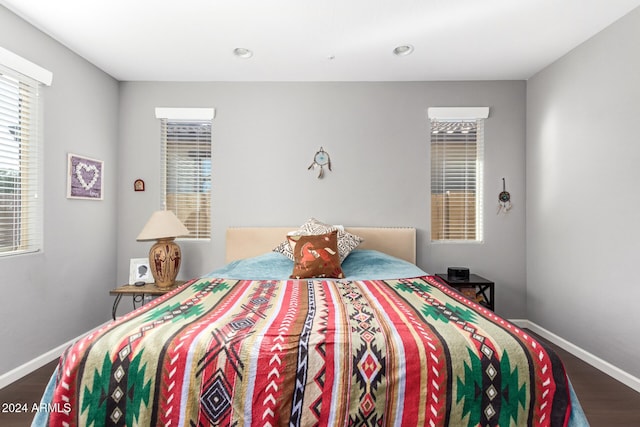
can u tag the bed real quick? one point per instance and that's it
(386, 344)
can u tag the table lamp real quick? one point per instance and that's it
(164, 255)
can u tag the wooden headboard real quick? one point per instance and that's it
(245, 242)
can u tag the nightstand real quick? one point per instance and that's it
(480, 286)
(139, 293)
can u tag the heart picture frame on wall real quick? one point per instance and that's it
(85, 177)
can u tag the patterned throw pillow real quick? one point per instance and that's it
(315, 256)
(346, 241)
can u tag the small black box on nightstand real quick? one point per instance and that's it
(458, 273)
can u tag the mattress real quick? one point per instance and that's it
(245, 345)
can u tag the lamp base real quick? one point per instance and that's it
(164, 260)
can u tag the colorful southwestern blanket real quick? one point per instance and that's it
(220, 352)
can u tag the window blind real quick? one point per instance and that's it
(186, 178)
(20, 206)
(457, 148)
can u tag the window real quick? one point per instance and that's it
(20, 202)
(457, 147)
(186, 169)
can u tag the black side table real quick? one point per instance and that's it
(481, 285)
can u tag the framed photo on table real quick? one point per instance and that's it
(139, 271)
(84, 178)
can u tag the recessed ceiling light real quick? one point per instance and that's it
(241, 52)
(403, 50)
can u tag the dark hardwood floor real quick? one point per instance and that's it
(26, 391)
(605, 401)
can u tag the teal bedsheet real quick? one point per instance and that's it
(361, 264)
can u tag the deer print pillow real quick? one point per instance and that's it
(315, 256)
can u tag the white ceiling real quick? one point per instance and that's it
(322, 40)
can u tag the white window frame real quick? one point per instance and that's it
(21, 105)
(192, 207)
(453, 126)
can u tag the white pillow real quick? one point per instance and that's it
(346, 241)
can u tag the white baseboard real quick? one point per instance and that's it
(37, 363)
(593, 360)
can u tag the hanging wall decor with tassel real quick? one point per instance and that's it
(321, 159)
(504, 199)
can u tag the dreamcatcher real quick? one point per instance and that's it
(504, 199)
(321, 158)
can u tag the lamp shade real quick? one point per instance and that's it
(162, 225)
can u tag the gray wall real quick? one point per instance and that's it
(51, 297)
(583, 157)
(265, 135)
